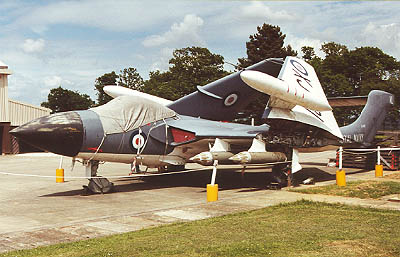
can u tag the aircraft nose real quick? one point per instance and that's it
(60, 133)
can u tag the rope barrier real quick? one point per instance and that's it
(150, 174)
(359, 153)
(85, 177)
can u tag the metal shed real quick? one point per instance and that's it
(13, 114)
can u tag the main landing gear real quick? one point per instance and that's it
(97, 184)
(281, 176)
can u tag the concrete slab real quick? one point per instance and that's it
(38, 211)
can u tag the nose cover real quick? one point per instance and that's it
(60, 133)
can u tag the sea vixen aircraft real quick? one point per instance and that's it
(138, 130)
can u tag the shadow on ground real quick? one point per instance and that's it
(227, 179)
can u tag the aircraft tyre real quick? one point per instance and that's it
(97, 184)
(100, 185)
(280, 175)
(172, 168)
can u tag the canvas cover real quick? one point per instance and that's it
(126, 113)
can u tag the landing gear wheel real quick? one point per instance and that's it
(97, 184)
(174, 168)
(279, 176)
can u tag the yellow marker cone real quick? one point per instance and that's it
(212, 192)
(378, 170)
(340, 178)
(59, 175)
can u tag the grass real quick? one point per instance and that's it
(393, 176)
(361, 189)
(302, 228)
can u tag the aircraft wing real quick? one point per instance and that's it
(214, 129)
(224, 98)
(298, 86)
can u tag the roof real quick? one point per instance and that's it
(4, 69)
(347, 101)
(3, 65)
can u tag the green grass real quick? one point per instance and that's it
(302, 228)
(361, 189)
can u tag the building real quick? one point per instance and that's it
(13, 114)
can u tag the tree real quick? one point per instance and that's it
(266, 43)
(345, 72)
(61, 100)
(308, 53)
(129, 77)
(190, 67)
(106, 79)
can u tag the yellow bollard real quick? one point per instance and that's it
(212, 192)
(59, 175)
(340, 178)
(378, 170)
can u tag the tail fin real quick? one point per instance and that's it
(364, 129)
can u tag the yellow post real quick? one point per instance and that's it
(378, 170)
(212, 192)
(378, 166)
(340, 178)
(340, 174)
(59, 175)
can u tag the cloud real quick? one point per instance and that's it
(297, 43)
(386, 36)
(186, 32)
(161, 63)
(257, 10)
(117, 15)
(183, 34)
(33, 46)
(52, 81)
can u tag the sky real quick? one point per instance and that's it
(70, 43)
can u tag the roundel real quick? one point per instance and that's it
(138, 140)
(231, 99)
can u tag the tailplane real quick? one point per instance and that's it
(364, 129)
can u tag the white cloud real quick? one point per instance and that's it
(186, 32)
(117, 15)
(183, 34)
(385, 36)
(258, 10)
(297, 43)
(52, 81)
(33, 46)
(161, 63)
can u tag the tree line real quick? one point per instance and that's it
(342, 72)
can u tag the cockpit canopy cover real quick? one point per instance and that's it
(126, 113)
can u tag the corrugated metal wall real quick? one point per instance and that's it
(21, 113)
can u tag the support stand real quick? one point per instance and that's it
(212, 189)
